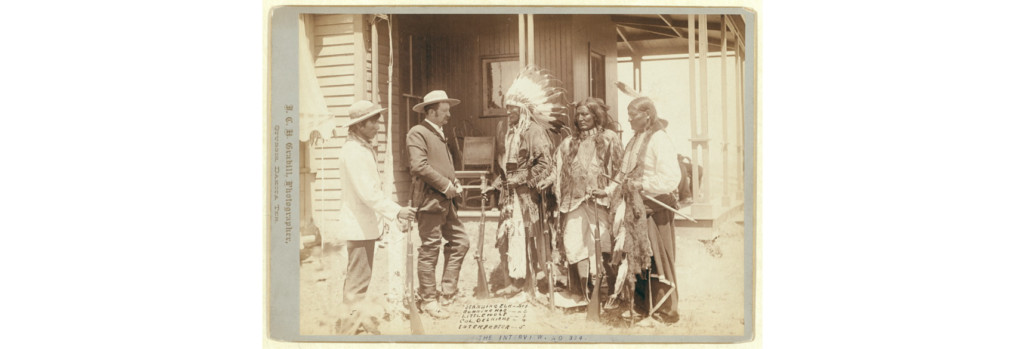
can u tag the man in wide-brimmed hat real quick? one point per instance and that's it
(649, 169)
(434, 190)
(363, 203)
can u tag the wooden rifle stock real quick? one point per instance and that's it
(414, 312)
(481, 278)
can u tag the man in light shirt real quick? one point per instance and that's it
(435, 189)
(363, 203)
(650, 168)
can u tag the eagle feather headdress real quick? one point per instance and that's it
(534, 90)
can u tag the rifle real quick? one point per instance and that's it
(594, 307)
(659, 203)
(414, 312)
(531, 277)
(481, 277)
(546, 242)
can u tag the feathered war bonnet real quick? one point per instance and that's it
(534, 91)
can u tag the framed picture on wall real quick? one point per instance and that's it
(497, 74)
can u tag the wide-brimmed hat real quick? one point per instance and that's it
(435, 96)
(362, 110)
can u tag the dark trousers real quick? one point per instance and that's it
(360, 268)
(433, 227)
(580, 272)
(663, 241)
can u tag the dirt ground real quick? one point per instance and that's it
(711, 292)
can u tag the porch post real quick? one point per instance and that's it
(702, 207)
(522, 41)
(530, 36)
(725, 118)
(694, 132)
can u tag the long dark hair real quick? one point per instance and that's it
(602, 121)
(599, 110)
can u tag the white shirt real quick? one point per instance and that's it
(661, 166)
(362, 199)
(440, 131)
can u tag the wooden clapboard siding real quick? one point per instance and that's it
(338, 70)
(333, 57)
(341, 90)
(333, 40)
(333, 61)
(334, 47)
(336, 50)
(333, 29)
(335, 81)
(334, 19)
(339, 101)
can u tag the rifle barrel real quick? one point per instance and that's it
(594, 308)
(648, 197)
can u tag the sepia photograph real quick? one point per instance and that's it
(518, 176)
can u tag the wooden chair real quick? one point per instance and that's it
(477, 155)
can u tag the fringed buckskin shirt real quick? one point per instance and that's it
(587, 168)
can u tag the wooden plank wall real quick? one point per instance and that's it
(450, 55)
(334, 45)
(553, 36)
(455, 55)
(599, 31)
(495, 37)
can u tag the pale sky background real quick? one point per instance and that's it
(666, 82)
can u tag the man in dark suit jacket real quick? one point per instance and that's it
(434, 190)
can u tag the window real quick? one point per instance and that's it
(498, 73)
(597, 76)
